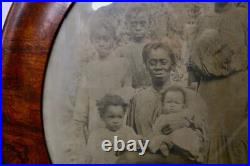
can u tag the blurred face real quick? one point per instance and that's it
(222, 61)
(102, 43)
(113, 117)
(159, 63)
(138, 26)
(173, 102)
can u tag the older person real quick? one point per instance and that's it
(159, 60)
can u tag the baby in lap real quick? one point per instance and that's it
(188, 140)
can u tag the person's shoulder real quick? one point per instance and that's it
(116, 59)
(127, 129)
(142, 94)
(123, 49)
(143, 91)
(97, 132)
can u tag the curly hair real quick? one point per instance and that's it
(110, 100)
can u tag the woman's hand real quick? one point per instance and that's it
(174, 124)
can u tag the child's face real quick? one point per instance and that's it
(173, 102)
(138, 26)
(102, 43)
(113, 117)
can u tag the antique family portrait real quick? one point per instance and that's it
(149, 83)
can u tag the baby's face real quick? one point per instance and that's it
(113, 117)
(173, 102)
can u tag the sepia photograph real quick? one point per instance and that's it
(149, 83)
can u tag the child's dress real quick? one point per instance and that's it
(187, 139)
(95, 154)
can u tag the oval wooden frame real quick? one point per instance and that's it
(28, 36)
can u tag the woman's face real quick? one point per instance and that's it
(159, 63)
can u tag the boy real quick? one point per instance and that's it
(112, 110)
(187, 140)
(137, 22)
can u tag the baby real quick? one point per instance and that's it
(187, 140)
(112, 110)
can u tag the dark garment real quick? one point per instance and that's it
(149, 158)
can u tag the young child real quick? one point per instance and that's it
(187, 140)
(112, 110)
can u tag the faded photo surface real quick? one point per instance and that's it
(173, 74)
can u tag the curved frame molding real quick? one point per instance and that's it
(28, 36)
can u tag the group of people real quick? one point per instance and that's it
(150, 115)
(129, 93)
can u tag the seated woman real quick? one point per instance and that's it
(159, 61)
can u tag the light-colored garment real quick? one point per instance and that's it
(188, 139)
(137, 73)
(144, 109)
(95, 154)
(143, 113)
(100, 77)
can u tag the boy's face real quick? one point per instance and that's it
(159, 63)
(113, 117)
(102, 43)
(173, 102)
(138, 26)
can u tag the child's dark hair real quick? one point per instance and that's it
(110, 100)
(175, 89)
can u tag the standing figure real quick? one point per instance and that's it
(137, 20)
(103, 75)
(222, 78)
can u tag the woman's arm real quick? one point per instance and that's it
(174, 122)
